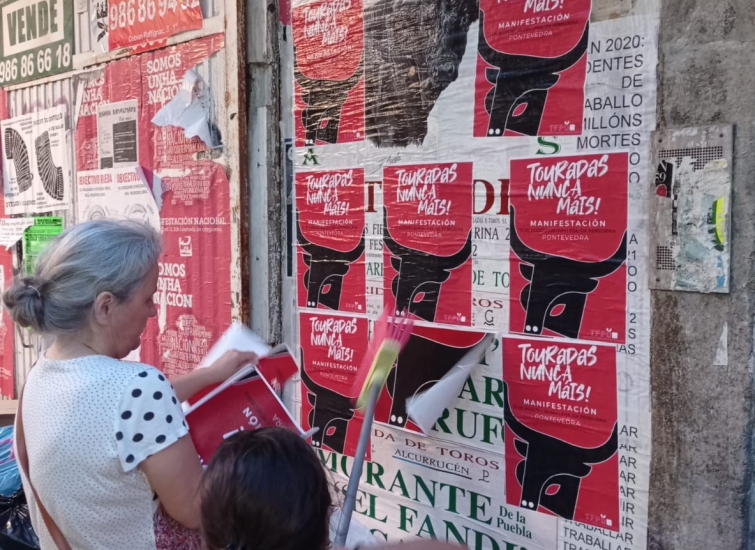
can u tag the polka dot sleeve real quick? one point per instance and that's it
(149, 418)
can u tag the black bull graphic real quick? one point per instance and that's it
(549, 462)
(326, 269)
(331, 413)
(555, 281)
(420, 275)
(324, 100)
(521, 80)
(421, 364)
(413, 50)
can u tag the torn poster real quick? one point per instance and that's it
(330, 235)
(36, 175)
(36, 238)
(122, 194)
(329, 71)
(118, 136)
(12, 229)
(562, 431)
(331, 353)
(189, 109)
(193, 295)
(568, 218)
(531, 67)
(690, 210)
(427, 237)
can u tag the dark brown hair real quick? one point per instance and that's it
(265, 490)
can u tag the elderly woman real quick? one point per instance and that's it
(109, 463)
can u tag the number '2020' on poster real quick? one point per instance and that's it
(561, 438)
(568, 248)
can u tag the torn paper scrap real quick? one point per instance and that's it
(189, 109)
(239, 338)
(12, 229)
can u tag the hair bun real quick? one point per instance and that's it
(25, 303)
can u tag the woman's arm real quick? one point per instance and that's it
(187, 385)
(174, 474)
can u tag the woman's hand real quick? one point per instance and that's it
(230, 363)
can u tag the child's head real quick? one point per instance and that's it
(265, 490)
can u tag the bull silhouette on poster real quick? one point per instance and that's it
(424, 361)
(420, 275)
(331, 413)
(324, 100)
(549, 462)
(556, 282)
(521, 82)
(326, 268)
(413, 51)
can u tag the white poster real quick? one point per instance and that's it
(36, 174)
(122, 194)
(118, 134)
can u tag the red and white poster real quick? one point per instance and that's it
(531, 67)
(330, 236)
(132, 24)
(568, 244)
(247, 405)
(331, 352)
(561, 440)
(329, 71)
(427, 238)
(428, 356)
(193, 296)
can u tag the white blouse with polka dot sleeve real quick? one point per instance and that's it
(89, 422)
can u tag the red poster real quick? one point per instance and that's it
(427, 266)
(194, 287)
(561, 439)
(162, 75)
(329, 71)
(569, 246)
(135, 22)
(427, 357)
(247, 405)
(331, 352)
(7, 345)
(331, 240)
(93, 94)
(531, 66)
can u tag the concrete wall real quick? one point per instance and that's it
(702, 414)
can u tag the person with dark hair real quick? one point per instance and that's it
(266, 490)
(102, 443)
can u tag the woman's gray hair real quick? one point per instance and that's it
(78, 265)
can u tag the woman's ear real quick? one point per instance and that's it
(103, 307)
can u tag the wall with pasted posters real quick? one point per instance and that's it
(94, 145)
(505, 161)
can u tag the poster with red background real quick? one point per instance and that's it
(427, 266)
(568, 246)
(247, 405)
(428, 356)
(332, 347)
(331, 240)
(194, 286)
(7, 345)
(561, 438)
(193, 298)
(540, 48)
(329, 71)
(134, 24)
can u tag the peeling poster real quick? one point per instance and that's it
(690, 210)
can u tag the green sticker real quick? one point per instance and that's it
(37, 236)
